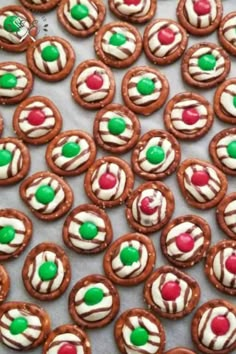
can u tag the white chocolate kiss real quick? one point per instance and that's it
(202, 21)
(22, 81)
(226, 99)
(65, 338)
(119, 52)
(230, 216)
(18, 240)
(15, 165)
(229, 31)
(219, 269)
(14, 37)
(86, 22)
(222, 153)
(139, 10)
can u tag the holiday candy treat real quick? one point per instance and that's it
(139, 331)
(17, 27)
(87, 229)
(118, 44)
(171, 293)
(144, 89)
(185, 240)
(226, 215)
(37, 120)
(164, 41)
(205, 65)
(188, 116)
(213, 327)
(48, 196)
(92, 84)
(16, 82)
(4, 284)
(108, 182)
(81, 18)
(222, 149)
(40, 5)
(15, 233)
(67, 339)
(130, 259)
(150, 207)
(226, 34)
(200, 17)
(138, 11)
(220, 266)
(71, 153)
(23, 325)
(46, 271)
(202, 184)
(156, 155)
(93, 302)
(225, 101)
(180, 350)
(51, 58)
(14, 161)
(116, 128)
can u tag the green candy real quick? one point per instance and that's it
(88, 230)
(7, 234)
(47, 271)
(139, 336)
(8, 81)
(234, 101)
(50, 53)
(116, 125)
(117, 39)
(93, 296)
(155, 155)
(145, 86)
(231, 149)
(45, 194)
(18, 325)
(207, 62)
(78, 12)
(129, 255)
(70, 149)
(12, 24)
(5, 157)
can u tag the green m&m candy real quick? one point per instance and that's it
(70, 149)
(50, 53)
(155, 155)
(145, 86)
(79, 12)
(7, 234)
(207, 62)
(45, 194)
(47, 271)
(116, 125)
(234, 101)
(8, 81)
(12, 24)
(231, 149)
(5, 157)
(93, 296)
(139, 336)
(117, 39)
(88, 230)
(129, 255)
(18, 325)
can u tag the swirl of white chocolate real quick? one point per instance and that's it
(169, 151)
(229, 215)
(226, 99)
(199, 74)
(229, 30)
(88, 94)
(153, 344)
(136, 97)
(138, 10)
(19, 228)
(71, 163)
(204, 193)
(130, 271)
(123, 51)
(117, 190)
(65, 338)
(220, 270)
(177, 113)
(45, 286)
(222, 153)
(177, 305)
(20, 75)
(87, 21)
(156, 47)
(42, 129)
(158, 201)
(92, 313)
(200, 21)
(54, 204)
(13, 37)
(24, 339)
(50, 67)
(15, 165)
(208, 338)
(189, 228)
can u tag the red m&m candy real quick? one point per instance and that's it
(184, 242)
(146, 207)
(230, 264)
(67, 348)
(166, 36)
(94, 81)
(220, 325)
(200, 178)
(107, 181)
(132, 2)
(190, 116)
(36, 117)
(170, 291)
(202, 7)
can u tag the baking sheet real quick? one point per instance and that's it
(75, 117)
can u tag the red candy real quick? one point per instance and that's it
(170, 291)
(94, 81)
(145, 206)
(185, 242)
(132, 2)
(230, 264)
(190, 116)
(200, 178)
(220, 325)
(36, 117)
(107, 181)
(67, 349)
(166, 36)
(202, 7)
